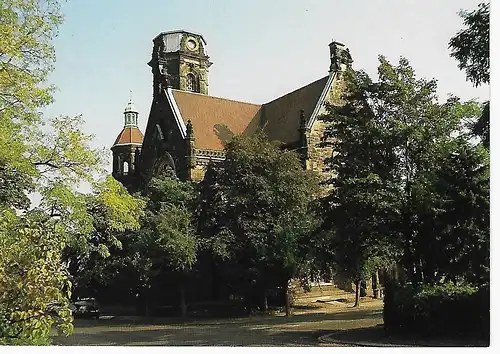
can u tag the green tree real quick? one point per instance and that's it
(168, 230)
(471, 48)
(262, 214)
(26, 59)
(422, 130)
(35, 285)
(51, 161)
(113, 212)
(464, 213)
(391, 138)
(360, 210)
(34, 274)
(162, 250)
(471, 45)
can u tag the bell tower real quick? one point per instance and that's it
(180, 61)
(127, 148)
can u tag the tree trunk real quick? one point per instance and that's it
(248, 301)
(288, 309)
(409, 246)
(215, 282)
(375, 285)
(265, 307)
(358, 286)
(362, 290)
(183, 300)
(420, 268)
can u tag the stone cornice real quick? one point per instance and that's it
(206, 153)
(205, 156)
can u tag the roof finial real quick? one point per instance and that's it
(130, 100)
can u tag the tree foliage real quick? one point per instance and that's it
(392, 139)
(471, 45)
(35, 285)
(463, 187)
(26, 57)
(471, 48)
(163, 243)
(169, 222)
(360, 210)
(52, 161)
(260, 199)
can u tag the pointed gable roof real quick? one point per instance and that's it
(215, 120)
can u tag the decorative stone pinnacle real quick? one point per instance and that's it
(339, 54)
(302, 119)
(189, 129)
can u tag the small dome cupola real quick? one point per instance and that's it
(130, 114)
(127, 147)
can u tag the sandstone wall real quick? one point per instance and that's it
(198, 173)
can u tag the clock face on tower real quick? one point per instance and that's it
(191, 44)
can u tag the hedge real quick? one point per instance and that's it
(446, 310)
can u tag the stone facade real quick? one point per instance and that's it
(180, 64)
(198, 173)
(163, 146)
(316, 153)
(172, 140)
(179, 61)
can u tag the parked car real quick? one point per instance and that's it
(85, 307)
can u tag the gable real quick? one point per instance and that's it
(282, 115)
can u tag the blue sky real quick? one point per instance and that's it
(261, 49)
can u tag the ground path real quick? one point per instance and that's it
(302, 329)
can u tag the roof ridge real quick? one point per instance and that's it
(298, 89)
(217, 97)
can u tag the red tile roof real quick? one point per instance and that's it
(215, 120)
(129, 135)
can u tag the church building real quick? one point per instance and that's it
(187, 128)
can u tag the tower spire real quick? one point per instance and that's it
(130, 113)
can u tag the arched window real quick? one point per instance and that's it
(125, 167)
(191, 83)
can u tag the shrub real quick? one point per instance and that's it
(445, 310)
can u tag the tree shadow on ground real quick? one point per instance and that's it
(347, 314)
(298, 330)
(378, 336)
(209, 336)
